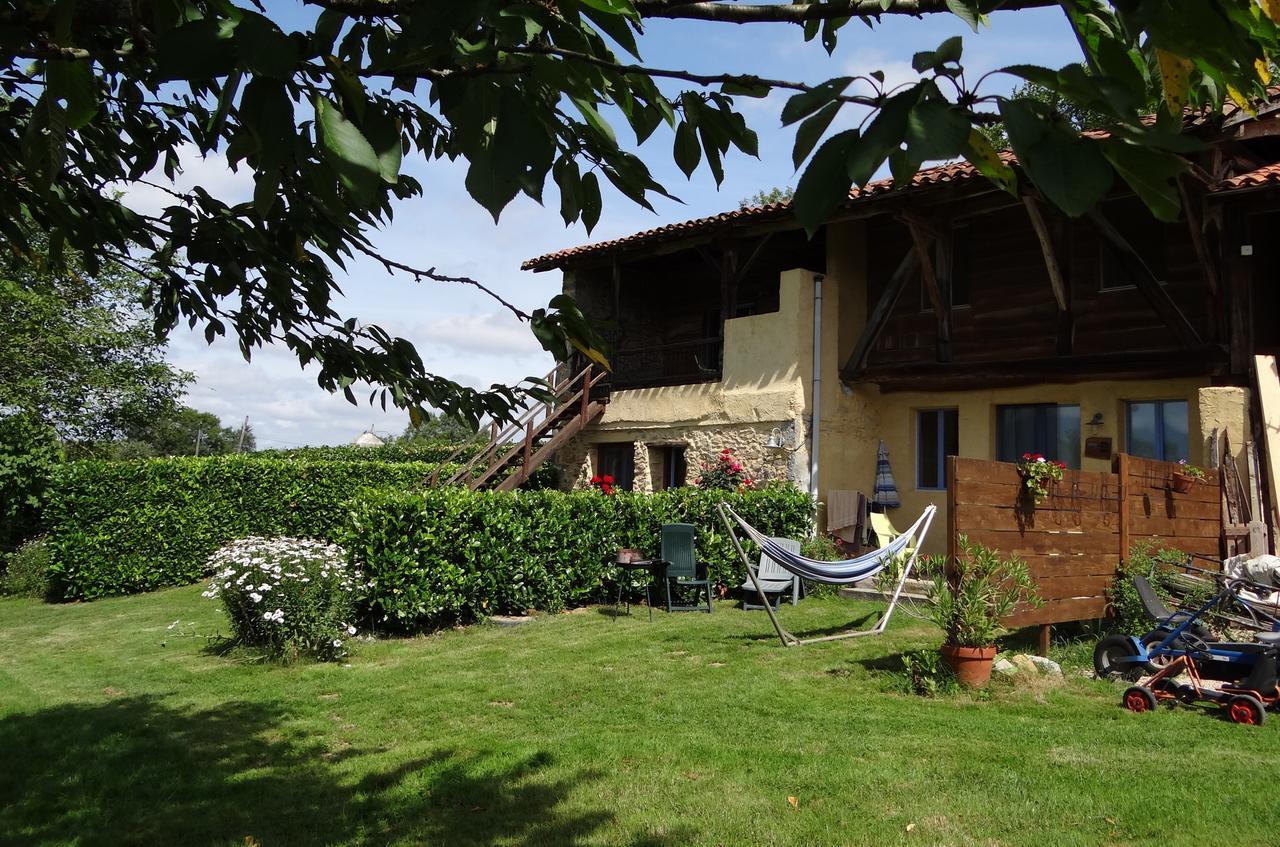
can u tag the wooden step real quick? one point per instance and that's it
(561, 437)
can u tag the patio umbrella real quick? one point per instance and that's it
(886, 493)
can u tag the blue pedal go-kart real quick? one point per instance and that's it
(1172, 661)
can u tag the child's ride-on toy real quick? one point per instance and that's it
(1180, 644)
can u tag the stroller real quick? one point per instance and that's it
(1180, 644)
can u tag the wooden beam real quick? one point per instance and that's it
(941, 300)
(930, 376)
(1197, 238)
(1050, 255)
(755, 254)
(1148, 285)
(1239, 290)
(879, 317)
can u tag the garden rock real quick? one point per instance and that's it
(1046, 665)
(1023, 665)
(1004, 667)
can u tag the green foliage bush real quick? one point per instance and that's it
(1159, 566)
(286, 597)
(448, 555)
(125, 527)
(398, 451)
(29, 455)
(26, 570)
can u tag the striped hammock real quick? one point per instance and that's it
(832, 573)
(843, 572)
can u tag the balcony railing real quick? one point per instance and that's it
(675, 363)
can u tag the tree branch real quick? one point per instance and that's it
(799, 13)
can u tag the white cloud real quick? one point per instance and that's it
(210, 172)
(486, 334)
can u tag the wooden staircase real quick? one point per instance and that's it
(515, 451)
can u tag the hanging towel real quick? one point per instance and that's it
(886, 493)
(842, 509)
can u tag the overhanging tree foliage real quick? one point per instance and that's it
(97, 94)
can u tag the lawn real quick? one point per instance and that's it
(119, 725)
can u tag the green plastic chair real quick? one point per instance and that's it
(683, 567)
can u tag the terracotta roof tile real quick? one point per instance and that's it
(940, 175)
(1265, 175)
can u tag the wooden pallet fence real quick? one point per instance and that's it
(1076, 537)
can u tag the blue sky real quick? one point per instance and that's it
(463, 335)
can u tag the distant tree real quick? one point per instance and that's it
(438, 428)
(177, 434)
(777, 194)
(1077, 116)
(78, 351)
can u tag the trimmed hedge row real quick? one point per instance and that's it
(126, 527)
(449, 555)
(413, 451)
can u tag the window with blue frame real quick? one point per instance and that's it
(1049, 429)
(1157, 429)
(937, 437)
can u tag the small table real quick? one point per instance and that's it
(629, 565)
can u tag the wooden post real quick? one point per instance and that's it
(586, 393)
(951, 510)
(1123, 470)
(528, 445)
(1045, 634)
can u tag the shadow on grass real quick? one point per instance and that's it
(136, 771)
(769, 635)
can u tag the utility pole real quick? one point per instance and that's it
(199, 435)
(243, 430)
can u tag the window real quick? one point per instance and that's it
(618, 461)
(937, 436)
(1051, 430)
(1147, 236)
(1157, 429)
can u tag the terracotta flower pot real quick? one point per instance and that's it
(971, 665)
(1181, 482)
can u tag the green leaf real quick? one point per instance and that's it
(807, 102)
(383, 132)
(936, 130)
(687, 150)
(965, 12)
(599, 124)
(812, 129)
(883, 136)
(1152, 174)
(948, 51)
(263, 48)
(616, 28)
(590, 200)
(196, 51)
(1069, 170)
(746, 87)
(76, 84)
(979, 153)
(348, 152)
(825, 182)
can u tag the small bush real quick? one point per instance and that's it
(724, 473)
(29, 456)
(1160, 567)
(926, 674)
(287, 597)
(27, 570)
(823, 549)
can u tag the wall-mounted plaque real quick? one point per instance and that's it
(1097, 448)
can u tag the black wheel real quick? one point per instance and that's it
(1139, 698)
(1110, 659)
(1247, 709)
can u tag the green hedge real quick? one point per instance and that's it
(417, 451)
(449, 555)
(125, 527)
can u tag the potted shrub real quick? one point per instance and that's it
(968, 601)
(1185, 476)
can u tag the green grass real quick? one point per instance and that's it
(573, 729)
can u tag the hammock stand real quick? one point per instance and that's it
(831, 573)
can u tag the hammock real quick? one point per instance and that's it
(844, 572)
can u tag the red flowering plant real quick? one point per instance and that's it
(1037, 473)
(724, 473)
(604, 484)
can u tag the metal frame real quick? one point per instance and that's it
(790, 640)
